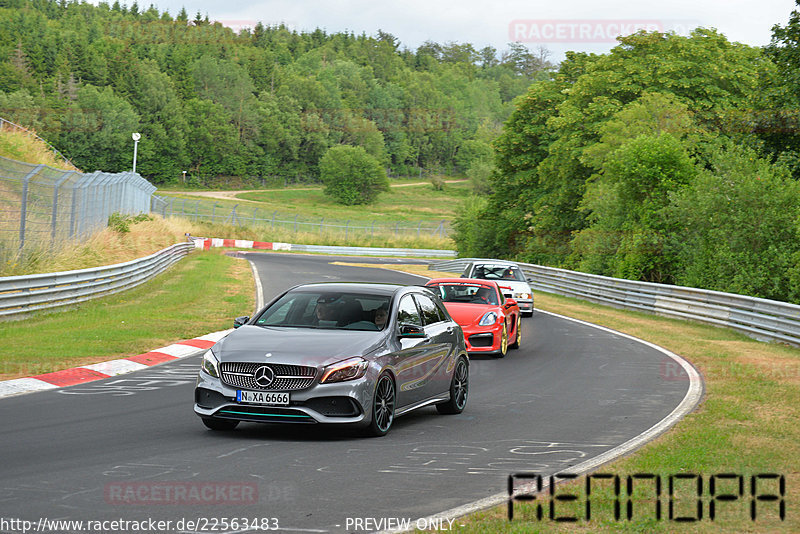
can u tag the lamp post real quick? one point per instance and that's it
(136, 136)
(184, 177)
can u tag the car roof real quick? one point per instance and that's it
(504, 263)
(471, 281)
(366, 288)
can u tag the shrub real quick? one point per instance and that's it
(352, 176)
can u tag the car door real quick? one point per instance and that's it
(410, 361)
(441, 332)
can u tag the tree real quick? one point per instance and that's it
(543, 163)
(736, 227)
(627, 235)
(96, 130)
(351, 175)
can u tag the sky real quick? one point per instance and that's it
(581, 25)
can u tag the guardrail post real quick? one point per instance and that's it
(196, 210)
(273, 218)
(54, 215)
(295, 223)
(72, 212)
(213, 212)
(23, 214)
(346, 225)
(419, 228)
(320, 225)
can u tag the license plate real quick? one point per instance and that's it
(262, 397)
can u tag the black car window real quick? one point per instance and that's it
(407, 312)
(498, 272)
(322, 309)
(467, 293)
(430, 312)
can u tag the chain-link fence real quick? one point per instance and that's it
(238, 215)
(40, 205)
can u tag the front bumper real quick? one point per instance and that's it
(525, 306)
(482, 341)
(338, 403)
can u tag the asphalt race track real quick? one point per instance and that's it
(130, 447)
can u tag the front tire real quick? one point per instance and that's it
(517, 334)
(383, 402)
(503, 342)
(459, 390)
(220, 424)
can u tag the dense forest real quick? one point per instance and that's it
(264, 103)
(670, 159)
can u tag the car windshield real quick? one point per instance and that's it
(467, 293)
(327, 310)
(498, 272)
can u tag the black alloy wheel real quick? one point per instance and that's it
(459, 389)
(382, 406)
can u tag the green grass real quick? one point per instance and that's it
(409, 204)
(198, 295)
(746, 425)
(20, 146)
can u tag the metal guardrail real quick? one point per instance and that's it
(375, 251)
(24, 294)
(213, 242)
(762, 319)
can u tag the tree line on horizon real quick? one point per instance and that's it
(264, 103)
(671, 159)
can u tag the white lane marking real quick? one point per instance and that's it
(689, 403)
(23, 385)
(215, 336)
(115, 367)
(178, 350)
(259, 289)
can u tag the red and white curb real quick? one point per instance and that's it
(207, 243)
(98, 371)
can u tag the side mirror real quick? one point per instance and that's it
(411, 331)
(510, 302)
(239, 321)
(529, 279)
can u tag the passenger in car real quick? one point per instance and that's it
(381, 315)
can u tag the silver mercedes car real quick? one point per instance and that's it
(341, 353)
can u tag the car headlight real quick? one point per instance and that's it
(488, 319)
(346, 370)
(210, 364)
(522, 295)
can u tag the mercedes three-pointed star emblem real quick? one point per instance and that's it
(264, 376)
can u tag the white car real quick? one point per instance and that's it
(508, 276)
